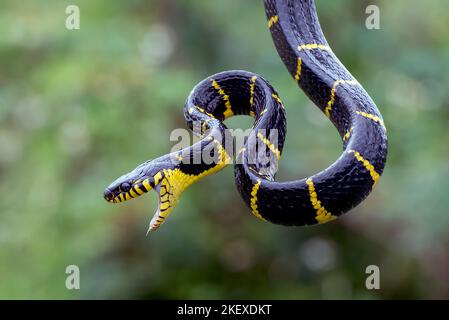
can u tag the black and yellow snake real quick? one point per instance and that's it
(322, 197)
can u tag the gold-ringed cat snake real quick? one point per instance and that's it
(319, 198)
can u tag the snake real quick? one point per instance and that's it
(317, 199)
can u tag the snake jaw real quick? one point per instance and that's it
(157, 219)
(169, 189)
(167, 199)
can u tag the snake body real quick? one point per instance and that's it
(322, 197)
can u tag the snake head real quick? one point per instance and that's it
(162, 175)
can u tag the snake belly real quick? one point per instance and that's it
(320, 198)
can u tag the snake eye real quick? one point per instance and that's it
(125, 187)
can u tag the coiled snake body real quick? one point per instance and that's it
(320, 198)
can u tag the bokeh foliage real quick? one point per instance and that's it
(79, 108)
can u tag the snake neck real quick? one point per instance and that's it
(235, 92)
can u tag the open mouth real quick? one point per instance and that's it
(140, 187)
(158, 217)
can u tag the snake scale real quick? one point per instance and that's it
(320, 198)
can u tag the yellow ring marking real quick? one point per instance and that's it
(270, 145)
(251, 92)
(275, 96)
(121, 197)
(138, 190)
(133, 193)
(374, 175)
(272, 21)
(205, 112)
(331, 102)
(254, 207)
(228, 112)
(348, 134)
(298, 70)
(128, 196)
(146, 184)
(224, 157)
(372, 117)
(322, 215)
(312, 46)
(203, 128)
(157, 178)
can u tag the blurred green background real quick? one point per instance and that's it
(79, 108)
